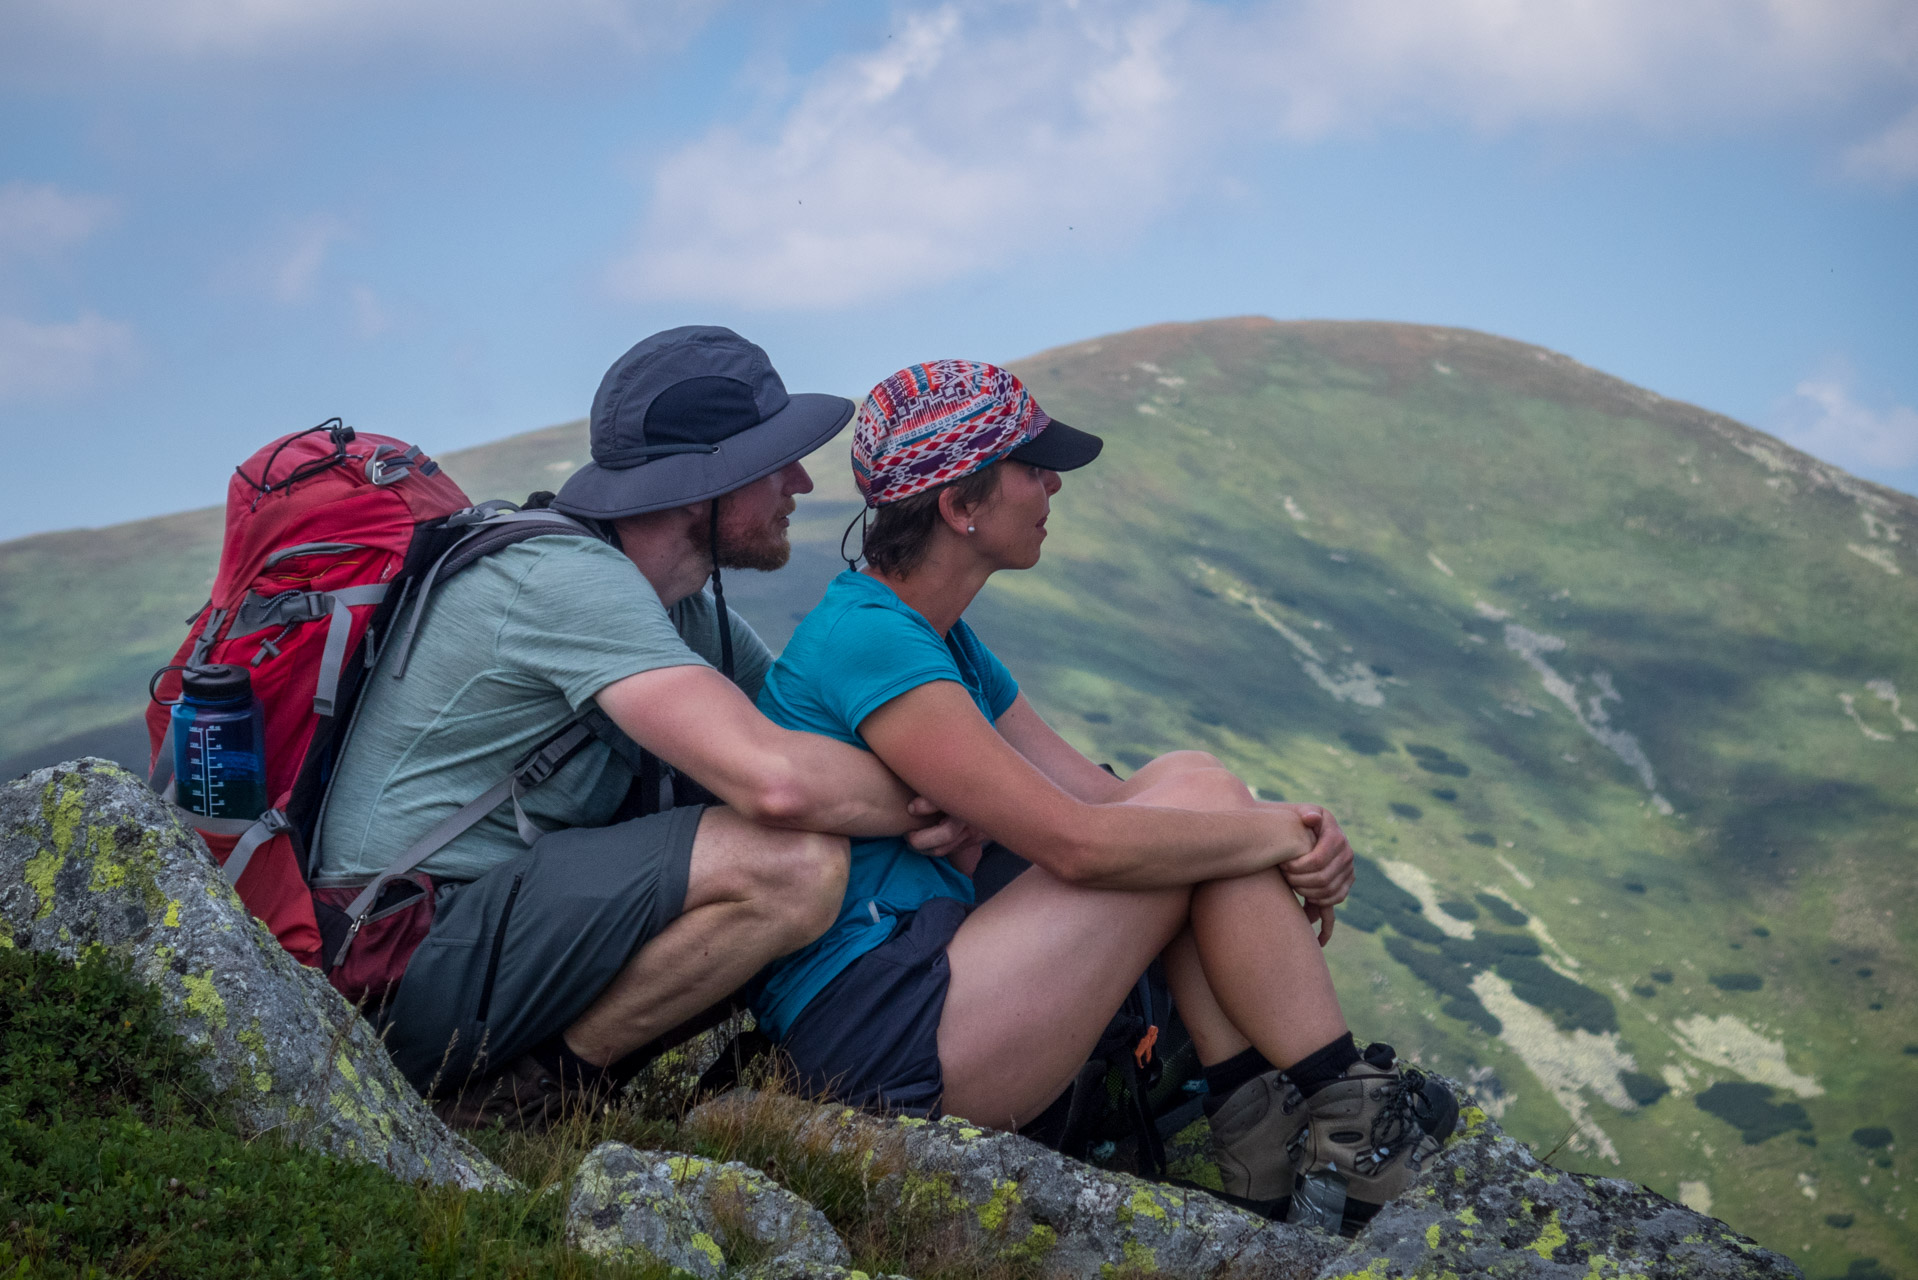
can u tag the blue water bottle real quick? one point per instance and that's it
(219, 743)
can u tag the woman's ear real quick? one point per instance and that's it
(954, 512)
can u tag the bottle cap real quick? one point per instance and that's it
(216, 682)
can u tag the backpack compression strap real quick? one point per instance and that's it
(543, 763)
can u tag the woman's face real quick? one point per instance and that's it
(1010, 525)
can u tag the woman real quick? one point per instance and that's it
(913, 1000)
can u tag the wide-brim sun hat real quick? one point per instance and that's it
(689, 414)
(933, 423)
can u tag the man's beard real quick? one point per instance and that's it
(763, 546)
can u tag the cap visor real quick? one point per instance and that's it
(1059, 448)
(808, 421)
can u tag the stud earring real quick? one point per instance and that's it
(972, 528)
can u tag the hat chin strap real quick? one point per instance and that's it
(719, 598)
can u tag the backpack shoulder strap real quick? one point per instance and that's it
(494, 527)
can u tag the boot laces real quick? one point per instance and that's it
(1396, 1124)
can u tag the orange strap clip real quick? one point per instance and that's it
(1142, 1052)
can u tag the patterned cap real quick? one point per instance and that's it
(936, 422)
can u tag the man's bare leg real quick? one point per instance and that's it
(754, 893)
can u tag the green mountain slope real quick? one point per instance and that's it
(1619, 698)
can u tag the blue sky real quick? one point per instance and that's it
(225, 219)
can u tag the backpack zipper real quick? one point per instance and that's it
(499, 941)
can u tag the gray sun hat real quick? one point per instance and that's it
(689, 414)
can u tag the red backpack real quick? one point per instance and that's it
(334, 541)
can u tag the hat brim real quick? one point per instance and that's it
(808, 421)
(1059, 448)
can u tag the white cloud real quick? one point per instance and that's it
(935, 154)
(1323, 65)
(370, 316)
(1890, 157)
(161, 32)
(978, 132)
(294, 267)
(1822, 419)
(41, 360)
(38, 218)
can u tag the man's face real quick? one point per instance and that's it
(753, 520)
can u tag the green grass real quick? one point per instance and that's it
(1379, 493)
(113, 1162)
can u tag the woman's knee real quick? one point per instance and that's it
(1172, 764)
(1199, 788)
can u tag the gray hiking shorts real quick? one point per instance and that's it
(516, 956)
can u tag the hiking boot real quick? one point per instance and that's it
(1366, 1139)
(1253, 1133)
(527, 1097)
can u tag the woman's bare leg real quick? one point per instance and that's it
(1036, 973)
(1038, 970)
(1213, 1035)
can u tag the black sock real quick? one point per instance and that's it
(1323, 1066)
(569, 1068)
(1222, 1078)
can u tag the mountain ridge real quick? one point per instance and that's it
(1492, 606)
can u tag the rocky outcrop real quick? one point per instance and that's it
(1486, 1207)
(90, 857)
(701, 1216)
(999, 1195)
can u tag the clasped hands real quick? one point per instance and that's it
(1322, 876)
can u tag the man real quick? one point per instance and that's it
(547, 968)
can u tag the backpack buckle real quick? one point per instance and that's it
(543, 765)
(479, 513)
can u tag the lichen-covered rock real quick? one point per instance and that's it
(90, 857)
(998, 1193)
(698, 1215)
(1487, 1207)
(789, 1269)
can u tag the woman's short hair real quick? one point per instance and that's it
(901, 532)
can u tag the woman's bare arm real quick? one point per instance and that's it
(1027, 730)
(935, 740)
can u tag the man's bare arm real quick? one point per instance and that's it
(699, 722)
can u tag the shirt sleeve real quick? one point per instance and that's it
(583, 617)
(751, 658)
(878, 654)
(995, 682)
(697, 619)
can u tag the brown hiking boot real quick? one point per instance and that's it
(1253, 1133)
(528, 1096)
(1367, 1138)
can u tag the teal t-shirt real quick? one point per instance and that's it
(861, 647)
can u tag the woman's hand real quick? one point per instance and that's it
(1321, 916)
(945, 836)
(1324, 876)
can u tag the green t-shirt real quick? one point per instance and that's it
(510, 649)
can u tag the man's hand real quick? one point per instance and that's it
(1324, 876)
(945, 836)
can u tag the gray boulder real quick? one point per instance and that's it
(785, 1269)
(1003, 1196)
(702, 1216)
(90, 857)
(1487, 1207)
